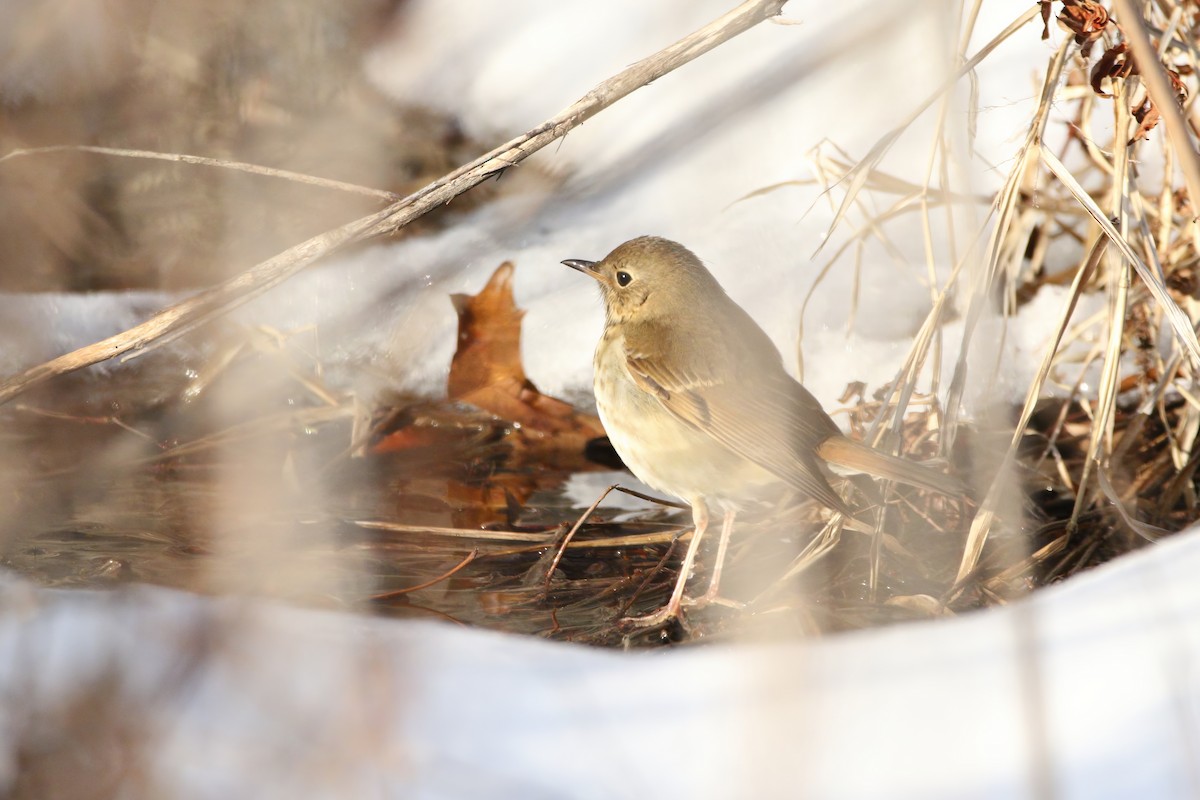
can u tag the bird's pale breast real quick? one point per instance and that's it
(664, 452)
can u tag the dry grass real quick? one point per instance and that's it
(1136, 238)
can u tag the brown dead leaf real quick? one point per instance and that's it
(489, 337)
(1083, 18)
(511, 420)
(487, 371)
(1046, 11)
(1148, 114)
(1117, 64)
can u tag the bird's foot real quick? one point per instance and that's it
(672, 610)
(711, 598)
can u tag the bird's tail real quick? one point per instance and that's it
(839, 451)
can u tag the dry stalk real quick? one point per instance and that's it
(856, 179)
(1153, 254)
(1006, 203)
(982, 523)
(184, 158)
(1119, 280)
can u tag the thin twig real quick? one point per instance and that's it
(650, 498)
(184, 158)
(465, 533)
(431, 582)
(562, 548)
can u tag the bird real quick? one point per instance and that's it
(697, 402)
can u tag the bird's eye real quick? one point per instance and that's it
(623, 278)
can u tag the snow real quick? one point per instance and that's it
(676, 158)
(1088, 689)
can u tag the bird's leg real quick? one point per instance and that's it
(714, 585)
(671, 609)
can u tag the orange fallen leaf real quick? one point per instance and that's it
(487, 371)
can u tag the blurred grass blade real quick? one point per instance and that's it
(981, 525)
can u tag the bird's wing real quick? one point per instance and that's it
(754, 407)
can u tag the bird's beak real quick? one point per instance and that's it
(586, 267)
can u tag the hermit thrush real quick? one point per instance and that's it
(696, 400)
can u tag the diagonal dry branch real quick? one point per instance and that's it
(229, 294)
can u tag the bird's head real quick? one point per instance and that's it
(649, 277)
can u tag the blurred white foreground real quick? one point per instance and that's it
(1089, 690)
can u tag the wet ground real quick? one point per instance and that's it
(419, 508)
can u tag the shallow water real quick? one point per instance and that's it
(260, 485)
